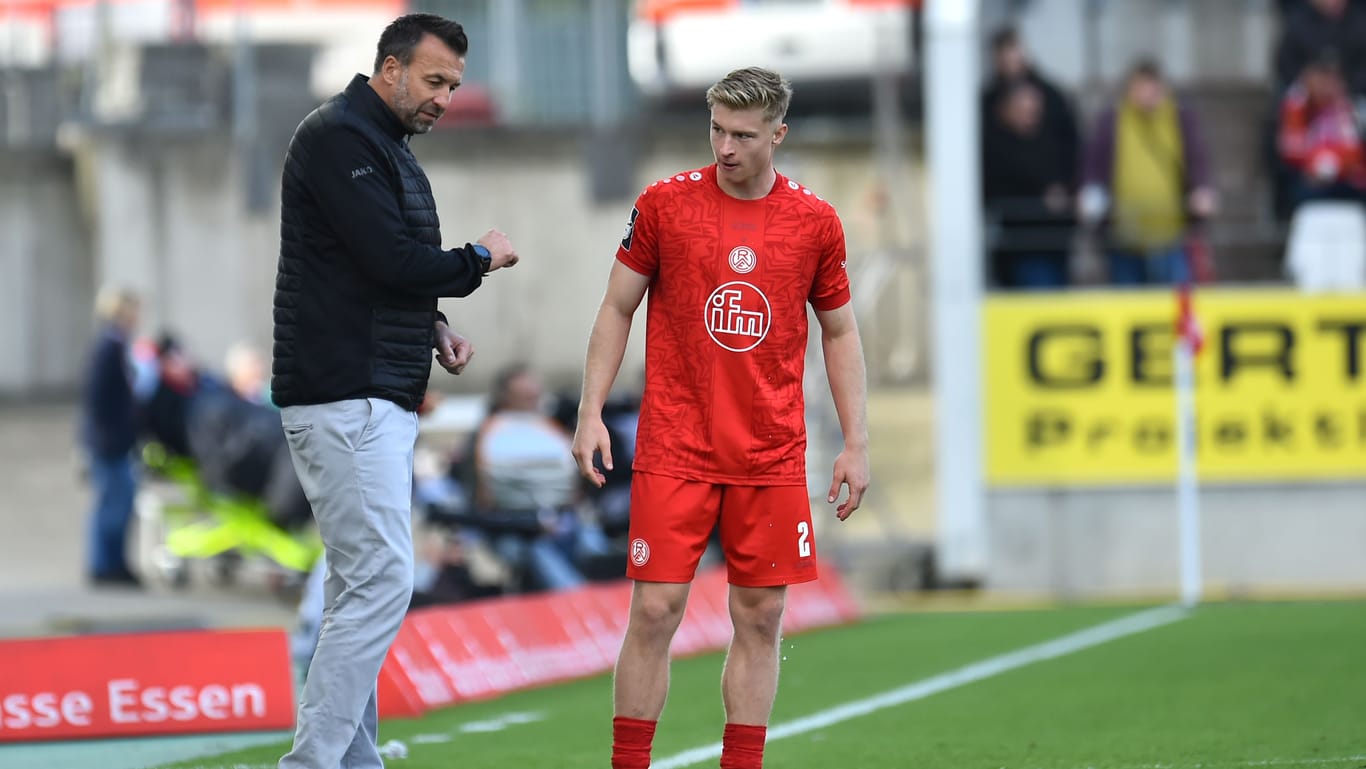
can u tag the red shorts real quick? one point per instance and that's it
(765, 531)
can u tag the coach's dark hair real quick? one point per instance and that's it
(404, 33)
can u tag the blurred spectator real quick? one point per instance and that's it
(1312, 28)
(1025, 181)
(108, 432)
(238, 446)
(1148, 168)
(1010, 65)
(443, 573)
(1318, 137)
(165, 414)
(524, 473)
(245, 368)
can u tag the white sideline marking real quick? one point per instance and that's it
(499, 723)
(430, 739)
(1301, 761)
(1206, 765)
(1262, 762)
(992, 666)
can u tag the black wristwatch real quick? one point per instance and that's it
(485, 258)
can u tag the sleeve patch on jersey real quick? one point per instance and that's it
(630, 232)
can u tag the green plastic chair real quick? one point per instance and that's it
(209, 525)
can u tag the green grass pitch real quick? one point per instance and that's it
(1229, 685)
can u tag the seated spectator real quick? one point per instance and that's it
(237, 446)
(443, 573)
(1025, 180)
(1318, 138)
(166, 412)
(246, 372)
(1148, 169)
(523, 471)
(1312, 28)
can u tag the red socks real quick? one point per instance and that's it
(742, 746)
(631, 741)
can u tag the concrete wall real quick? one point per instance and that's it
(1078, 543)
(173, 221)
(1196, 40)
(45, 275)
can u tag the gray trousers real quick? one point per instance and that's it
(355, 461)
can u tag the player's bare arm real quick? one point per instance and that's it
(606, 348)
(843, 351)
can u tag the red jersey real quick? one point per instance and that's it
(726, 330)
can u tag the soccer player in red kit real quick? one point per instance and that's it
(730, 255)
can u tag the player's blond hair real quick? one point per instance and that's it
(753, 88)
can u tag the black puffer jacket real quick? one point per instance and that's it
(361, 263)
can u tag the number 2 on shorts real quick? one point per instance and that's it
(803, 539)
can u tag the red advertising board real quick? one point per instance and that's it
(144, 684)
(448, 654)
(217, 681)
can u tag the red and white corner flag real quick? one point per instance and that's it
(1190, 339)
(1188, 328)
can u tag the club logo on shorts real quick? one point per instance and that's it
(640, 552)
(742, 259)
(737, 316)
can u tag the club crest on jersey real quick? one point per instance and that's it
(640, 552)
(743, 259)
(738, 316)
(630, 231)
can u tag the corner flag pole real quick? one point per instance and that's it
(1188, 343)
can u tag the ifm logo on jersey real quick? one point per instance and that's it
(738, 316)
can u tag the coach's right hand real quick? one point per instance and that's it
(501, 253)
(591, 437)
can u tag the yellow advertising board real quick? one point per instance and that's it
(1078, 387)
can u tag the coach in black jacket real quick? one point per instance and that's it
(361, 268)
